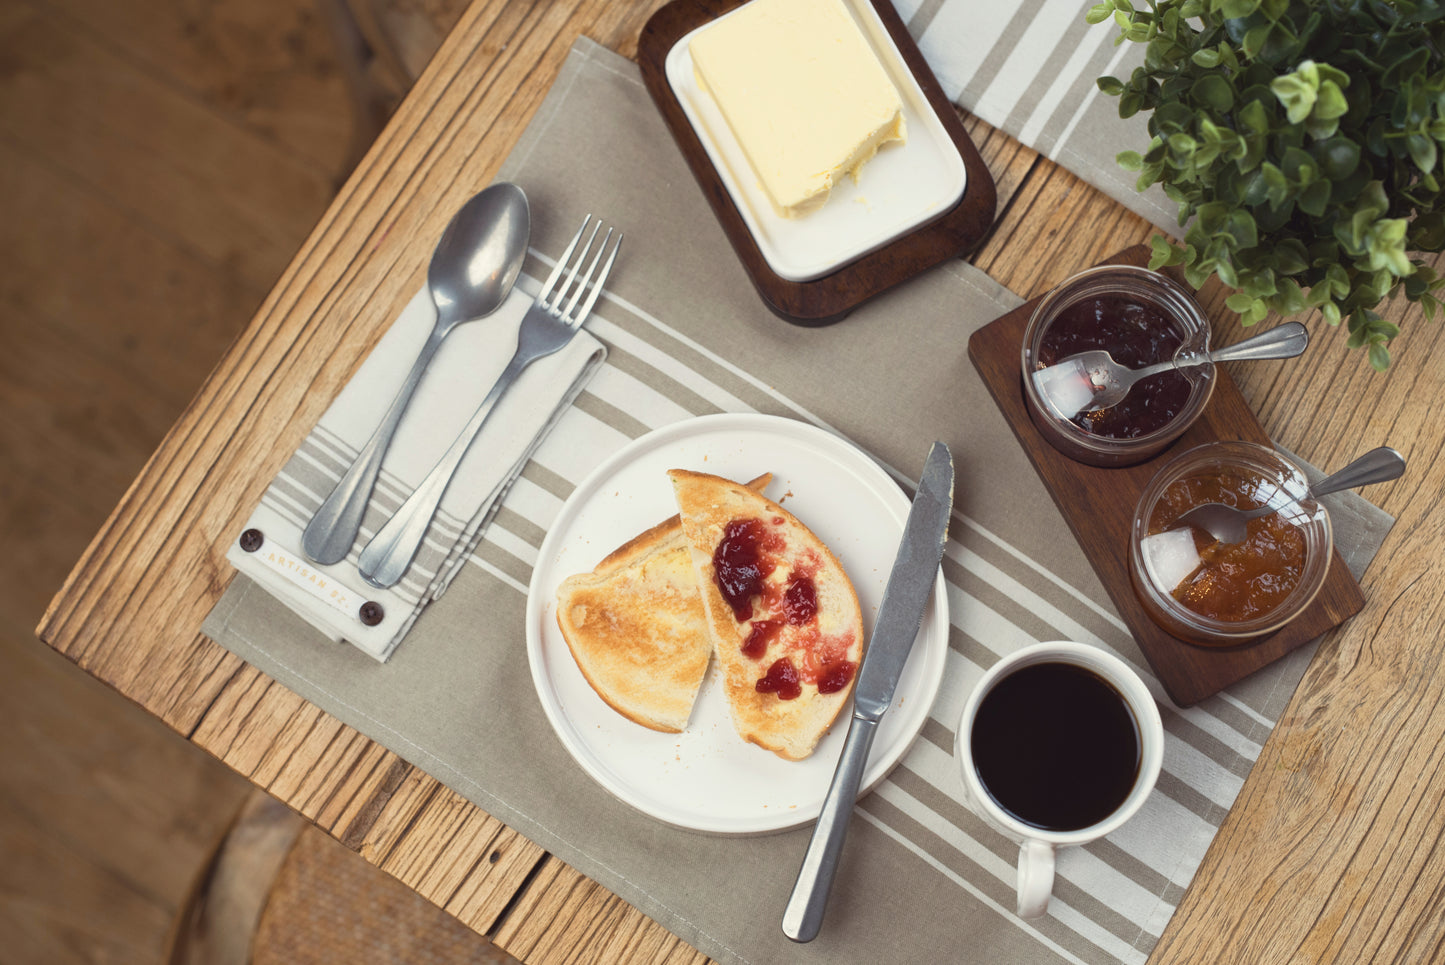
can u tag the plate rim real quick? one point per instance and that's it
(539, 598)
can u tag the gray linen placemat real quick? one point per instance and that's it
(922, 879)
(1028, 67)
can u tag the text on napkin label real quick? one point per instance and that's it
(315, 584)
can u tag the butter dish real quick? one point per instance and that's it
(904, 186)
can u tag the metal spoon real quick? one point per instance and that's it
(1093, 380)
(472, 270)
(1226, 524)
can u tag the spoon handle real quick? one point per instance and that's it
(329, 535)
(1284, 341)
(388, 556)
(1377, 465)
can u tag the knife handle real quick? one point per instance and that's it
(804, 915)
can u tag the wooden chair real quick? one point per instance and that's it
(279, 891)
(382, 46)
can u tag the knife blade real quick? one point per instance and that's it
(899, 617)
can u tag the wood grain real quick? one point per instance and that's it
(1333, 850)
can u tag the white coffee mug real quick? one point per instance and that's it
(1037, 846)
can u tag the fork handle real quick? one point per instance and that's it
(389, 554)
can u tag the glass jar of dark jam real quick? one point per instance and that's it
(1218, 594)
(1139, 317)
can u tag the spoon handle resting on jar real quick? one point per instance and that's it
(1226, 523)
(1284, 341)
(1377, 465)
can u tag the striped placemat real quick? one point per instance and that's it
(1028, 68)
(922, 878)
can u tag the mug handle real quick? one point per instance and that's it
(1036, 878)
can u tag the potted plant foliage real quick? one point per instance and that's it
(1302, 141)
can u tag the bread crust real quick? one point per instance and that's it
(636, 626)
(817, 648)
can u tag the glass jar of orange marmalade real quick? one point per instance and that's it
(1219, 594)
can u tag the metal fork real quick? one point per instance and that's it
(546, 328)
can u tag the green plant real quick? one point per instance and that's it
(1303, 143)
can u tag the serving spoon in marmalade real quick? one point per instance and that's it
(1092, 380)
(1227, 524)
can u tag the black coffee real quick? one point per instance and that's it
(1056, 746)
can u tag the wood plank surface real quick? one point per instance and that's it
(1333, 851)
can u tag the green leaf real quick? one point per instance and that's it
(1379, 357)
(1254, 117)
(1315, 198)
(1239, 302)
(1099, 12)
(1112, 86)
(1422, 151)
(1162, 253)
(1330, 102)
(1338, 157)
(1215, 92)
(1296, 95)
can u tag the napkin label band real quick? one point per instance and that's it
(321, 587)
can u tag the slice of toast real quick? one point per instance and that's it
(636, 627)
(783, 616)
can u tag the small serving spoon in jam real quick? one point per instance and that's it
(1227, 524)
(1092, 380)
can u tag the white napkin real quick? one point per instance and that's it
(335, 599)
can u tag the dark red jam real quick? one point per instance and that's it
(757, 642)
(836, 677)
(739, 564)
(781, 679)
(800, 601)
(1135, 333)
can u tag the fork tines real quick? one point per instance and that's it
(550, 299)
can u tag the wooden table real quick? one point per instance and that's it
(1333, 850)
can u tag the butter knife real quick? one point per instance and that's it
(899, 616)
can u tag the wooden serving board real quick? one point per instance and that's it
(830, 298)
(1098, 504)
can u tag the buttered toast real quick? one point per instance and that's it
(782, 615)
(637, 629)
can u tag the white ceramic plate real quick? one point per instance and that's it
(902, 188)
(707, 778)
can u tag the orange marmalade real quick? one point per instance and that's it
(1243, 581)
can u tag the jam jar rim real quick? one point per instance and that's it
(1174, 299)
(1317, 560)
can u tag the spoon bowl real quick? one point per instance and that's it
(472, 271)
(1227, 524)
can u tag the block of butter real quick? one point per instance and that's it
(803, 93)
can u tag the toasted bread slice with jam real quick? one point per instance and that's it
(636, 626)
(783, 616)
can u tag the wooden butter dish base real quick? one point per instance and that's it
(825, 300)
